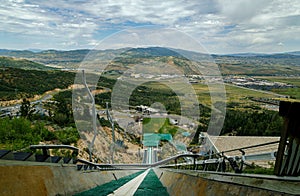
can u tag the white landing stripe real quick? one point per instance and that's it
(130, 187)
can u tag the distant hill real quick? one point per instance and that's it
(294, 53)
(62, 59)
(290, 58)
(259, 64)
(273, 55)
(152, 52)
(22, 64)
(243, 55)
(243, 63)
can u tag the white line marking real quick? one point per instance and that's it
(130, 187)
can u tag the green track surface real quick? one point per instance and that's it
(151, 186)
(109, 187)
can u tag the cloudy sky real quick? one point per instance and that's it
(221, 26)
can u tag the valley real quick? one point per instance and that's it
(254, 85)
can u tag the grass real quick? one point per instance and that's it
(152, 125)
(233, 94)
(254, 169)
(159, 125)
(203, 93)
(292, 92)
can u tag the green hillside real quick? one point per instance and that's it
(246, 64)
(64, 59)
(18, 83)
(22, 64)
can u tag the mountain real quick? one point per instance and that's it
(55, 58)
(243, 54)
(244, 64)
(17, 53)
(152, 52)
(22, 64)
(240, 63)
(277, 64)
(294, 53)
(274, 55)
(35, 50)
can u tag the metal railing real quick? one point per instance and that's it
(197, 161)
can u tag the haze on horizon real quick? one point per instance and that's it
(221, 26)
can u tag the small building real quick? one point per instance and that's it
(260, 155)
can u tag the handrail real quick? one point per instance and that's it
(175, 157)
(52, 146)
(178, 156)
(243, 148)
(253, 146)
(142, 164)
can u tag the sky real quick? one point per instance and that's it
(221, 26)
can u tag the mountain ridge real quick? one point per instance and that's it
(21, 63)
(158, 50)
(242, 63)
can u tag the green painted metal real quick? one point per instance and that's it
(153, 139)
(151, 185)
(109, 187)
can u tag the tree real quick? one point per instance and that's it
(26, 109)
(62, 114)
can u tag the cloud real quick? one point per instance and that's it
(280, 44)
(241, 11)
(217, 24)
(259, 25)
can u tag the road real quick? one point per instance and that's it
(13, 109)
